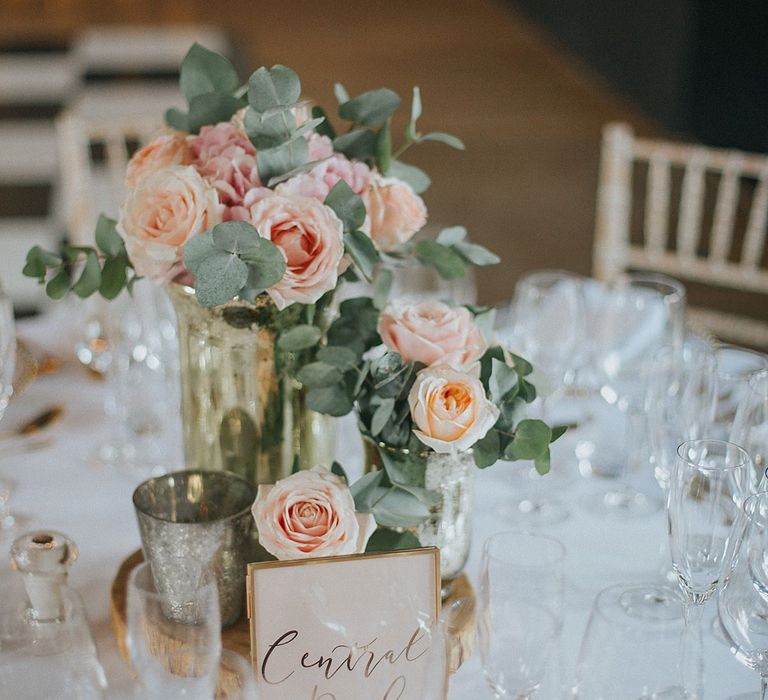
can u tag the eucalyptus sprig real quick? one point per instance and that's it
(84, 270)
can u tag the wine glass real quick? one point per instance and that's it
(750, 426)
(742, 602)
(618, 631)
(735, 366)
(643, 313)
(172, 658)
(709, 483)
(521, 611)
(236, 678)
(548, 328)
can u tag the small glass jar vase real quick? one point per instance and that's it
(449, 525)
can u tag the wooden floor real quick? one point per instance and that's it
(529, 114)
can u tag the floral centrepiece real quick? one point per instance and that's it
(255, 210)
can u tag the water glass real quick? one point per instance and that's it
(520, 611)
(173, 659)
(236, 678)
(617, 631)
(743, 600)
(711, 480)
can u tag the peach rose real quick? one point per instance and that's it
(310, 236)
(450, 409)
(397, 213)
(161, 214)
(310, 514)
(432, 332)
(169, 147)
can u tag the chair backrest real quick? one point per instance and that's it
(90, 186)
(721, 254)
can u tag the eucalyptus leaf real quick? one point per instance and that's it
(371, 108)
(319, 374)
(557, 432)
(238, 237)
(90, 277)
(274, 162)
(296, 171)
(448, 264)
(338, 470)
(347, 205)
(269, 130)
(107, 238)
(542, 463)
(330, 400)
(382, 286)
(384, 148)
(219, 278)
(363, 252)
(410, 133)
(113, 277)
(341, 93)
(325, 128)
(177, 119)
(198, 249)
(364, 491)
(359, 144)
(399, 508)
(415, 177)
(338, 356)
(211, 108)
(382, 415)
(442, 137)
(299, 338)
(503, 380)
(38, 261)
(58, 285)
(531, 440)
(486, 450)
(269, 88)
(452, 235)
(386, 540)
(476, 254)
(204, 71)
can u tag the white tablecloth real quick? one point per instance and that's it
(59, 488)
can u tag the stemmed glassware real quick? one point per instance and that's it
(618, 631)
(643, 313)
(7, 368)
(174, 658)
(547, 327)
(743, 599)
(520, 611)
(750, 426)
(735, 367)
(709, 483)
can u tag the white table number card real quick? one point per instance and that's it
(344, 628)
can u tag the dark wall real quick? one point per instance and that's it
(699, 67)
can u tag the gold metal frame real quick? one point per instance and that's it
(257, 566)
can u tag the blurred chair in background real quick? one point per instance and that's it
(721, 213)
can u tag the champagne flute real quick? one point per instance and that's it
(644, 312)
(742, 603)
(750, 426)
(8, 520)
(735, 367)
(189, 667)
(521, 611)
(710, 481)
(548, 328)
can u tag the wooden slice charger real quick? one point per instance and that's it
(461, 622)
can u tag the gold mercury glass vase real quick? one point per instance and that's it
(449, 525)
(241, 412)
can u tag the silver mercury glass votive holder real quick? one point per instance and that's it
(193, 522)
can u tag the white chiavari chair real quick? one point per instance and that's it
(726, 254)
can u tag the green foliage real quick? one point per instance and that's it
(415, 177)
(210, 85)
(382, 285)
(448, 264)
(386, 540)
(347, 205)
(299, 338)
(84, 270)
(359, 144)
(232, 260)
(372, 108)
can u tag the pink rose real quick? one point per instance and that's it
(310, 236)
(224, 155)
(169, 147)
(397, 213)
(310, 514)
(319, 146)
(432, 332)
(450, 409)
(161, 214)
